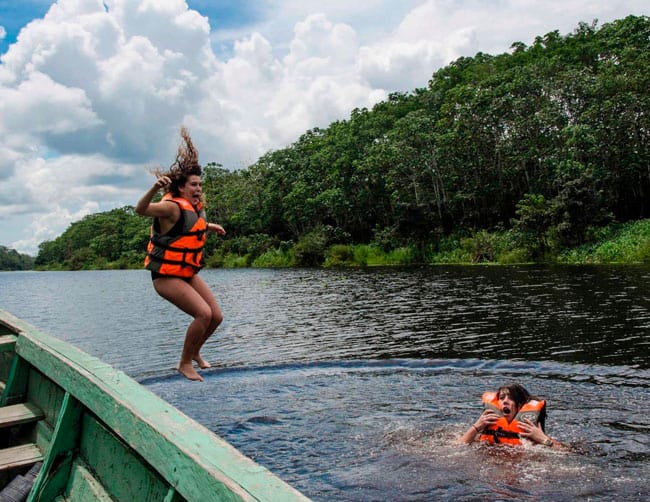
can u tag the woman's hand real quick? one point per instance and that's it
(162, 182)
(216, 228)
(533, 432)
(487, 418)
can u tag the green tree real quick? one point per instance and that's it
(10, 259)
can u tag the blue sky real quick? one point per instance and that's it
(14, 15)
(93, 94)
(225, 14)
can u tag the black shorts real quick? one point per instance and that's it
(156, 275)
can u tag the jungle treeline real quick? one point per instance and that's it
(535, 155)
(10, 259)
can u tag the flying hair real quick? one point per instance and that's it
(187, 157)
(186, 164)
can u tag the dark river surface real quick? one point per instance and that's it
(352, 385)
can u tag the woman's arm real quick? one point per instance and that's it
(470, 435)
(216, 228)
(145, 207)
(487, 418)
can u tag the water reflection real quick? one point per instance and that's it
(574, 315)
(596, 315)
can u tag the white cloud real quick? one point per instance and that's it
(45, 227)
(318, 38)
(59, 191)
(39, 105)
(95, 92)
(256, 101)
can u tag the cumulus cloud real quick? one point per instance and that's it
(256, 101)
(87, 90)
(45, 227)
(94, 93)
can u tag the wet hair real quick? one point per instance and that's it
(521, 396)
(185, 165)
(516, 392)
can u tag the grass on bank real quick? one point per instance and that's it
(627, 243)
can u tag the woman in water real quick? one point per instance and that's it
(175, 250)
(511, 414)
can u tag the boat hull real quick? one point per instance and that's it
(99, 435)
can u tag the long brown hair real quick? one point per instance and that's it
(185, 165)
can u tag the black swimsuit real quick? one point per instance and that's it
(157, 275)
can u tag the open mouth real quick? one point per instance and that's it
(506, 410)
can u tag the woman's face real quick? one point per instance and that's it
(507, 406)
(192, 189)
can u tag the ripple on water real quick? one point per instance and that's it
(388, 427)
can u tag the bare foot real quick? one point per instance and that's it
(188, 371)
(203, 364)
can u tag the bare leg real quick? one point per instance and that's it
(185, 297)
(202, 289)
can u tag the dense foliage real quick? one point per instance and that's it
(10, 259)
(113, 239)
(514, 157)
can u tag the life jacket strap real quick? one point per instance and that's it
(182, 263)
(175, 248)
(199, 233)
(500, 433)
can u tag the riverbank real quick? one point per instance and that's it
(619, 243)
(627, 243)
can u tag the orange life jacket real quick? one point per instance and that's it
(178, 254)
(503, 432)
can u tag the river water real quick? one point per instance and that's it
(351, 385)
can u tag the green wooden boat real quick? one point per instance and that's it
(73, 428)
